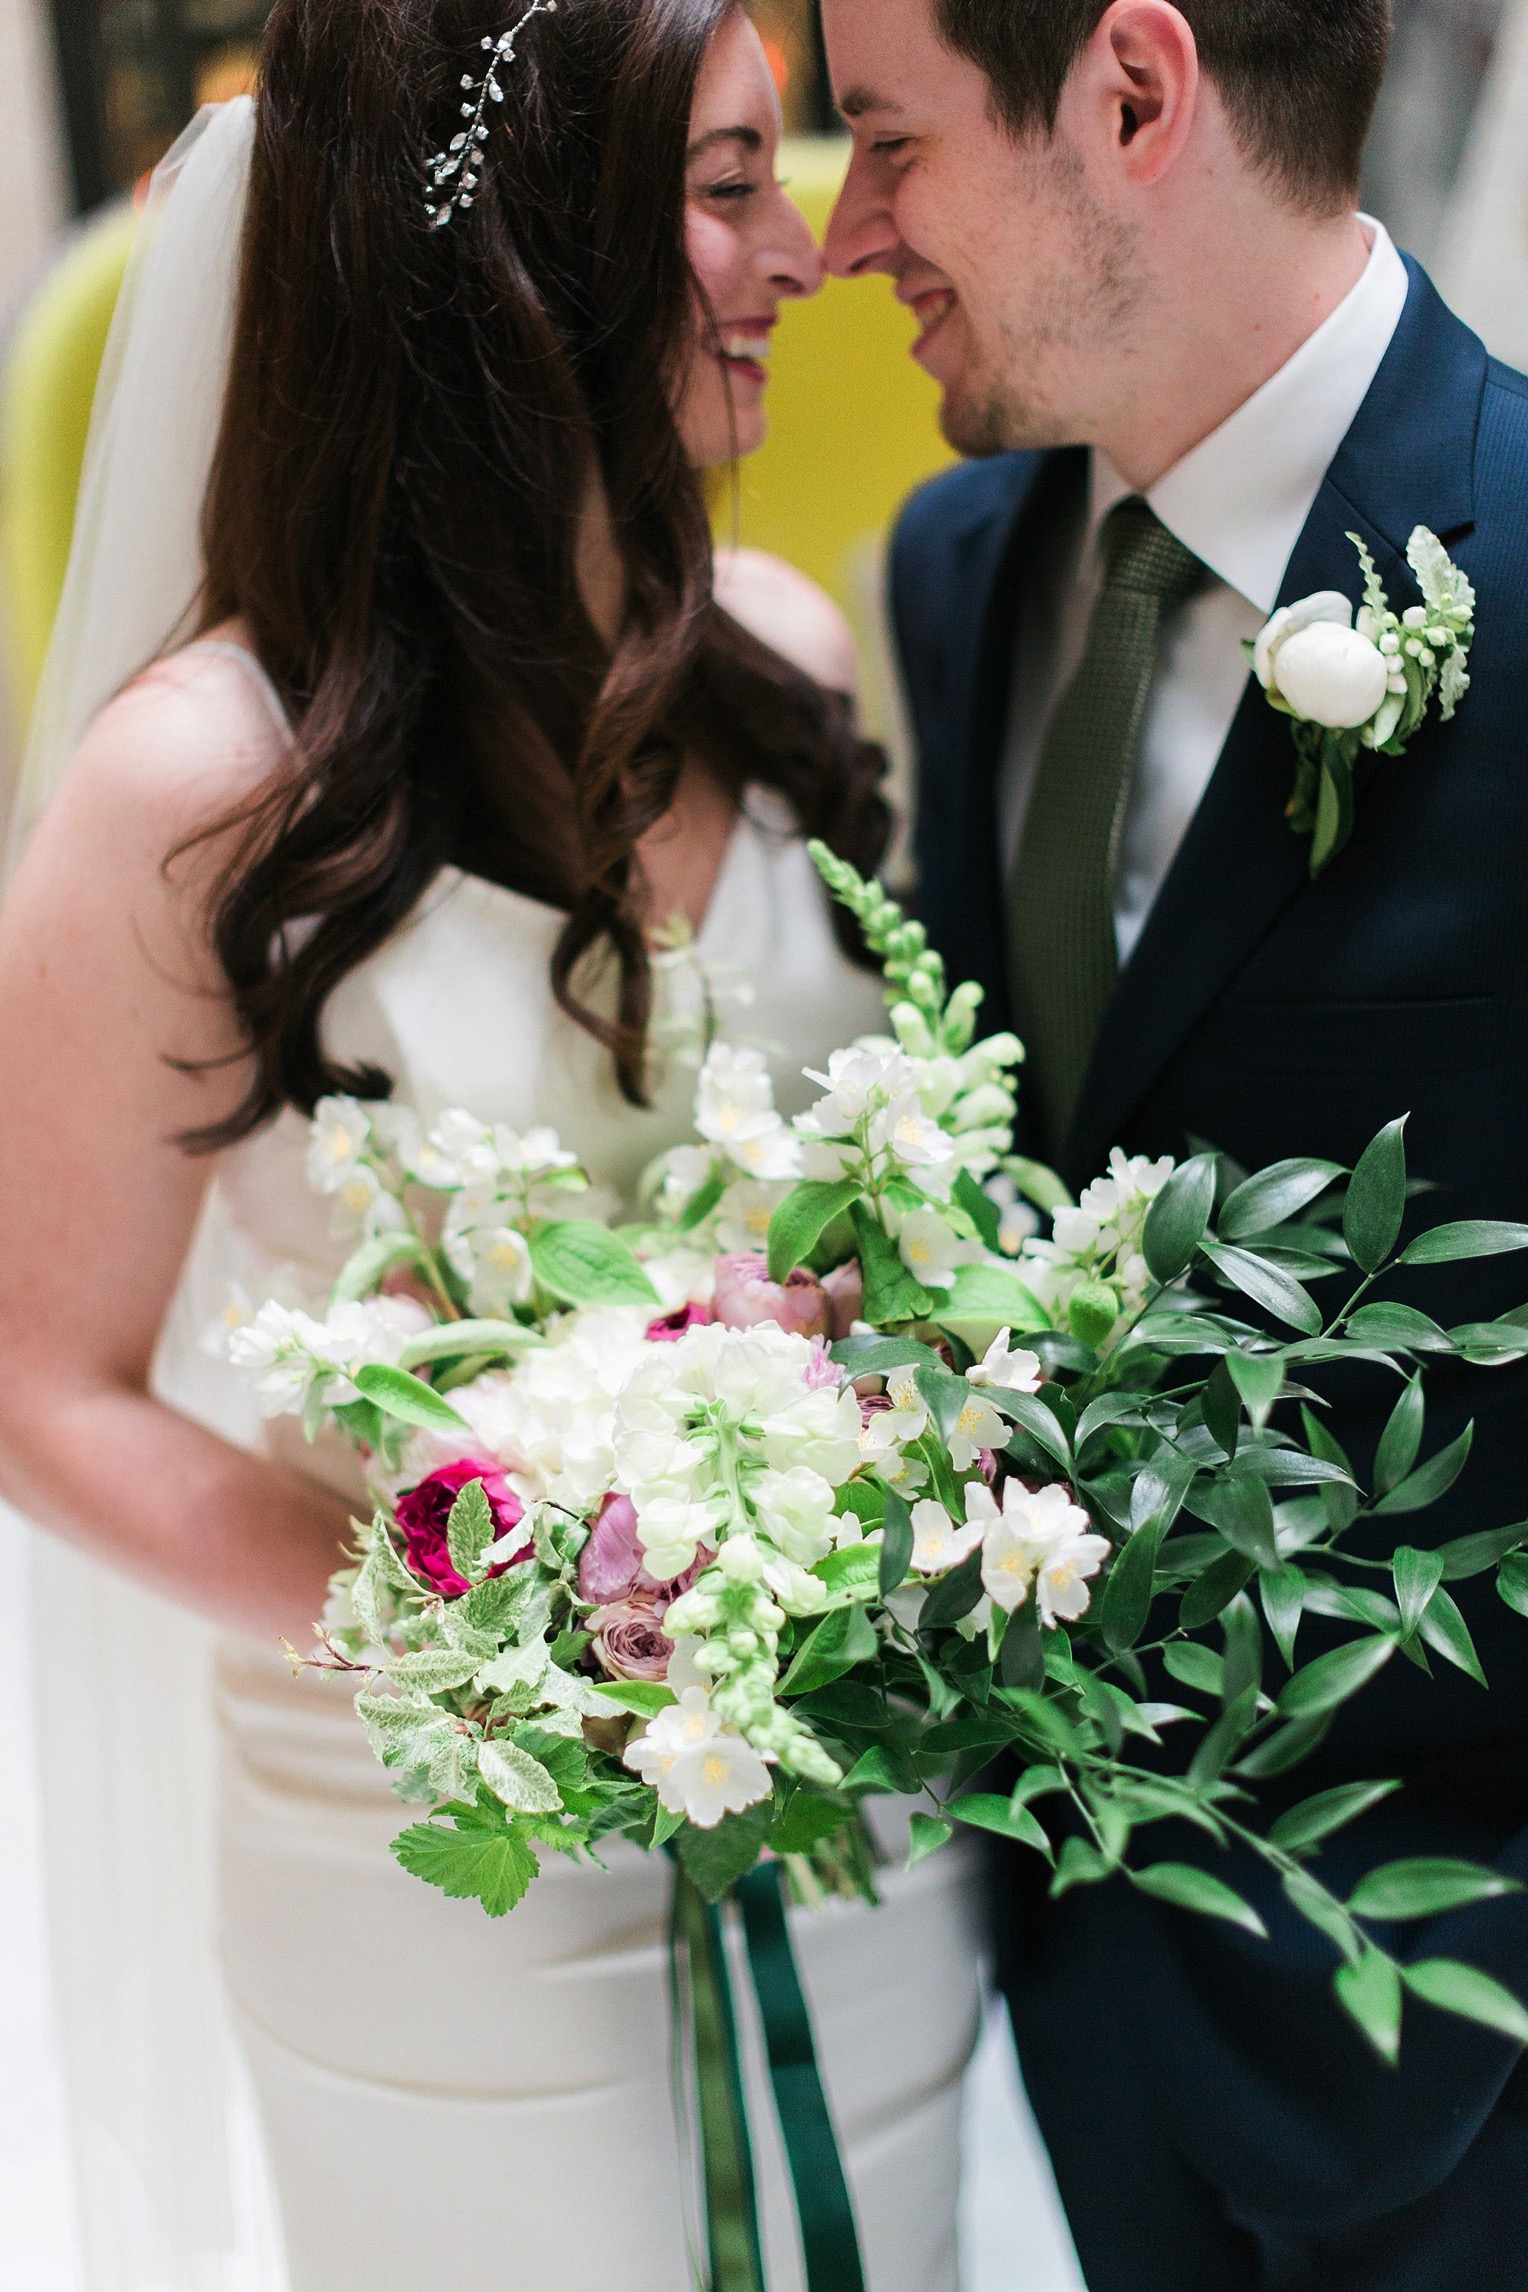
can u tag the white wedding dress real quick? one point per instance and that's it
(447, 2099)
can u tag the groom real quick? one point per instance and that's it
(1186, 370)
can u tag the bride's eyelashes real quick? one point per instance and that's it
(735, 188)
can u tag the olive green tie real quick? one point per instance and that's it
(1061, 904)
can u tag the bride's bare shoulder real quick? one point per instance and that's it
(781, 605)
(183, 744)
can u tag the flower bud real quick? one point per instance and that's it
(745, 1297)
(1331, 676)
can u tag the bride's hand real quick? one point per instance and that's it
(106, 981)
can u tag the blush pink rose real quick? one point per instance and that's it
(844, 1289)
(631, 1642)
(423, 1513)
(610, 1568)
(746, 1297)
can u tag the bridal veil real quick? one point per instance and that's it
(166, 2159)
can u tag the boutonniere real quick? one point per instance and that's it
(1350, 685)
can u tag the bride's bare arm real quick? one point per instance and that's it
(104, 977)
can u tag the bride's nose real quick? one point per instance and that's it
(795, 261)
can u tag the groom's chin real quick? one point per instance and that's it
(978, 425)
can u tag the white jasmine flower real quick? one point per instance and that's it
(699, 1769)
(340, 1135)
(495, 1262)
(857, 1080)
(931, 1249)
(744, 1213)
(978, 1427)
(905, 1131)
(735, 1109)
(1039, 1538)
(795, 1510)
(938, 1545)
(1006, 1371)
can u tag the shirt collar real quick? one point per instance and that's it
(1241, 497)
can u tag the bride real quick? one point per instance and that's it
(461, 735)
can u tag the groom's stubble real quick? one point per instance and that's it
(1037, 351)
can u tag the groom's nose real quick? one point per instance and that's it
(862, 231)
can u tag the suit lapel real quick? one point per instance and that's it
(1408, 459)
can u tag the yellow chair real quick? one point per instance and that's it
(45, 395)
(852, 420)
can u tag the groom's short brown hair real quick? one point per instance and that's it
(1298, 77)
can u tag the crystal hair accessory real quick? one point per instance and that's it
(461, 155)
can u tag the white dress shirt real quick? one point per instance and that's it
(1239, 500)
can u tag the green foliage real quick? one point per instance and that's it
(1267, 1285)
(1188, 1888)
(1176, 1222)
(1376, 1198)
(1369, 1989)
(1304, 1826)
(475, 1856)
(585, 1264)
(714, 1860)
(996, 1294)
(470, 1530)
(926, 1834)
(1434, 1479)
(645, 1697)
(1444, 1983)
(1334, 1677)
(408, 1399)
(844, 1639)
(1471, 1237)
(1004, 1818)
(897, 1544)
(1273, 1197)
(1426, 1886)
(803, 1218)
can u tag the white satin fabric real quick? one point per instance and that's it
(446, 2098)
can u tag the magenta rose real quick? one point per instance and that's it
(424, 1512)
(745, 1297)
(631, 1642)
(611, 1567)
(670, 1327)
(844, 1289)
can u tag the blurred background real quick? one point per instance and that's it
(92, 93)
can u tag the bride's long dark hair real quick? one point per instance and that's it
(410, 431)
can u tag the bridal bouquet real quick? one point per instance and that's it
(868, 1462)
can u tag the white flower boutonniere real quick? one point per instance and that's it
(1368, 684)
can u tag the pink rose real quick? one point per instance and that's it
(424, 1512)
(745, 1297)
(844, 1289)
(672, 1326)
(631, 1642)
(611, 1567)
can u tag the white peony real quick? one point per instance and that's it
(550, 1423)
(1331, 676)
(699, 1769)
(1311, 656)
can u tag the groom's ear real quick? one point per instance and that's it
(1137, 83)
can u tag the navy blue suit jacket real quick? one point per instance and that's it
(1271, 1016)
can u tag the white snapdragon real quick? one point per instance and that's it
(293, 1357)
(1040, 1539)
(699, 1768)
(704, 1425)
